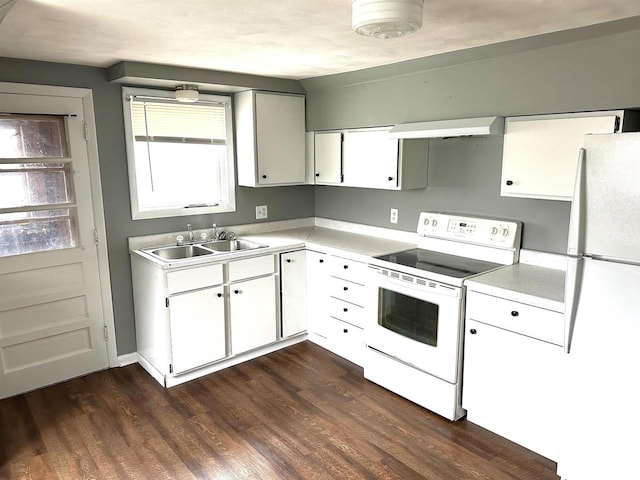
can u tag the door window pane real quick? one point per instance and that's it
(32, 136)
(37, 201)
(30, 184)
(27, 232)
(409, 317)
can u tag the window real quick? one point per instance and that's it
(180, 155)
(37, 201)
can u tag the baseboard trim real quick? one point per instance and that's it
(127, 359)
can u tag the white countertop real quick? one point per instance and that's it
(337, 242)
(530, 284)
(525, 283)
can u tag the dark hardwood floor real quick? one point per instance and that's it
(299, 413)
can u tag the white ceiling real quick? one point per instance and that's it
(289, 39)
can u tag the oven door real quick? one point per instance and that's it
(417, 324)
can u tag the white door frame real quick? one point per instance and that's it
(86, 95)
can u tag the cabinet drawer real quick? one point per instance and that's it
(194, 278)
(348, 291)
(345, 340)
(516, 317)
(347, 312)
(348, 269)
(251, 267)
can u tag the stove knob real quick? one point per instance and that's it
(505, 232)
(434, 222)
(494, 230)
(426, 222)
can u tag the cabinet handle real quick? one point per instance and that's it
(345, 330)
(288, 260)
(390, 178)
(509, 182)
(345, 309)
(317, 174)
(473, 331)
(345, 288)
(346, 266)
(514, 313)
(264, 176)
(219, 295)
(321, 260)
(236, 292)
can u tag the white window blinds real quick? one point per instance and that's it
(158, 121)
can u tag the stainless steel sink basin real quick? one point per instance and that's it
(182, 251)
(232, 245)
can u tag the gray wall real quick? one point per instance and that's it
(464, 174)
(284, 203)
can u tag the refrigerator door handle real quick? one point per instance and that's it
(575, 244)
(572, 283)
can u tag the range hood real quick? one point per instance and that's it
(450, 128)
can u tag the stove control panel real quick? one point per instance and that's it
(480, 231)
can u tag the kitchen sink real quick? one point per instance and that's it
(232, 245)
(181, 251)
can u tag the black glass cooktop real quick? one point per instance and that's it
(441, 263)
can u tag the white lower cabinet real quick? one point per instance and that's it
(511, 381)
(252, 313)
(346, 340)
(317, 267)
(185, 316)
(197, 324)
(338, 318)
(293, 292)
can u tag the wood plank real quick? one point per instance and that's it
(299, 413)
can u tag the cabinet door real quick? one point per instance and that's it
(280, 138)
(317, 292)
(540, 154)
(293, 289)
(370, 159)
(252, 311)
(511, 386)
(197, 326)
(328, 158)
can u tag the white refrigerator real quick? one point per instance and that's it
(601, 389)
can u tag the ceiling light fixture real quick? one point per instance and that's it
(187, 93)
(386, 18)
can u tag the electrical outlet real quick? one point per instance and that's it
(393, 217)
(261, 212)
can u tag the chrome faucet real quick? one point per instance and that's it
(190, 230)
(215, 232)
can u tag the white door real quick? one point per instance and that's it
(294, 292)
(419, 326)
(198, 333)
(370, 159)
(317, 266)
(601, 390)
(252, 308)
(328, 158)
(52, 321)
(280, 138)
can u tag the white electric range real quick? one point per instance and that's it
(414, 334)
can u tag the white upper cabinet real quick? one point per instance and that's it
(328, 158)
(270, 136)
(369, 158)
(540, 153)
